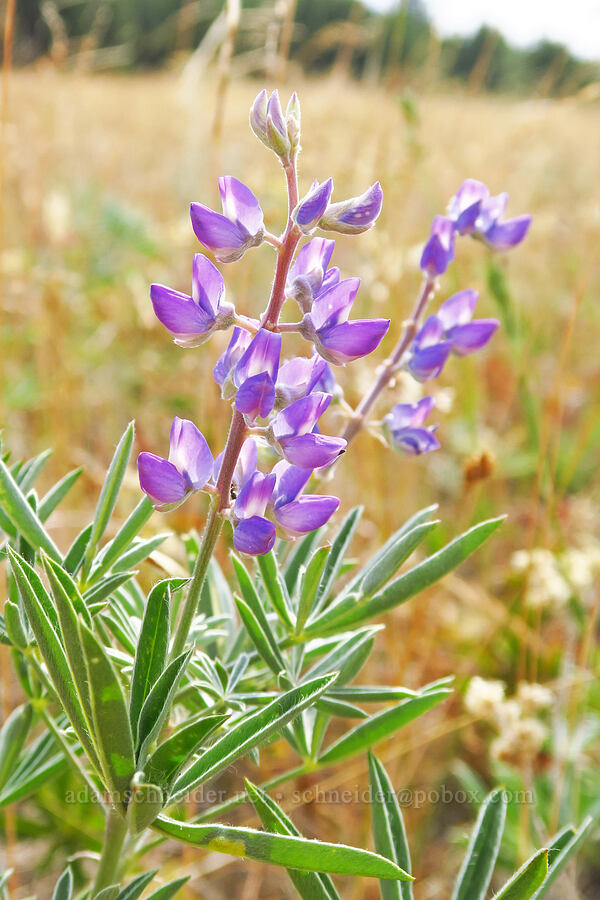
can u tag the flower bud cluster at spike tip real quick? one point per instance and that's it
(240, 226)
(471, 211)
(405, 428)
(279, 132)
(355, 215)
(450, 330)
(191, 320)
(336, 339)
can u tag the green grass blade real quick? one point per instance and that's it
(478, 865)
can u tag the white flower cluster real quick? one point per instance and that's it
(553, 579)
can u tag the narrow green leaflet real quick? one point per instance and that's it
(282, 850)
(275, 586)
(348, 657)
(74, 555)
(123, 538)
(525, 882)
(108, 893)
(39, 763)
(385, 564)
(336, 556)
(158, 703)
(134, 889)
(388, 829)
(478, 865)
(64, 886)
(407, 585)
(56, 494)
(110, 718)
(380, 726)
(298, 558)
(101, 591)
(558, 859)
(151, 650)
(254, 603)
(109, 493)
(168, 890)
(52, 651)
(12, 737)
(13, 503)
(309, 585)
(28, 474)
(310, 885)
(57, 575)
(168, 759)
(260, 638)
(261, 726)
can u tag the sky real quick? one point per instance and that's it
(575, 23)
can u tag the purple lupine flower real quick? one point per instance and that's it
(438, 252)
(255, 375)
(329, 385)
(226, 363)
(404, 426)
(294, 512)
(298, 377)
(245, 466)
(336, 339)
(191, 320)
(466, 336)
(475, 212)
(292, 433)
(355, 215)
(167, 482)
(308, 275)
(310, 209)
(429, 350)
(241, 226)
(252, 532)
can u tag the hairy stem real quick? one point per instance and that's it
(391, 365)
(111, 857)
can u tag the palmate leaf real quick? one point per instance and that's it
(478, 865)
(102, 590)
(310, 885)
(380, 726)
(351, 609)
(348, 657)
(252, 732)
(110, 718)
(109, 494)
(525, 882)
(388, 830)
(283, 850)
(22, 517)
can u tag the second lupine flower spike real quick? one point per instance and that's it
(405, 427)
(241, 226)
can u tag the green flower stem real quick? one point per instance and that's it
(112, 852)
(391, 365)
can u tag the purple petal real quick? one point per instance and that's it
(407, 415)
(332, 276)
(240, 205)
(504, 235)
(473, 336)
(160, 479)
(364, 209)
(300, 417)
(245, 466)
(216, 232)
(415, 441)
(258, 115)
(312, 451)
(256, 397)
(255, 535)
(179, 314)
(430, 333)
(464, 207)
(333, 305)
(314, 204)
(190, 453)
(458, 309)
(239, 343)
(298, 377)
(307, 513)
(261, 356)
(438, 252)
(254, 496)
(208, 286)
(315, 255)
(491, 210)
(290, 481)
(351, 340)
(429, 362)
(275, 111)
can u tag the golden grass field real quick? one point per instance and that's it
(99, 172)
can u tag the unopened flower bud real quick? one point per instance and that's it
(258, 117)
(355, 215)
(292, 118)
(312, 206)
